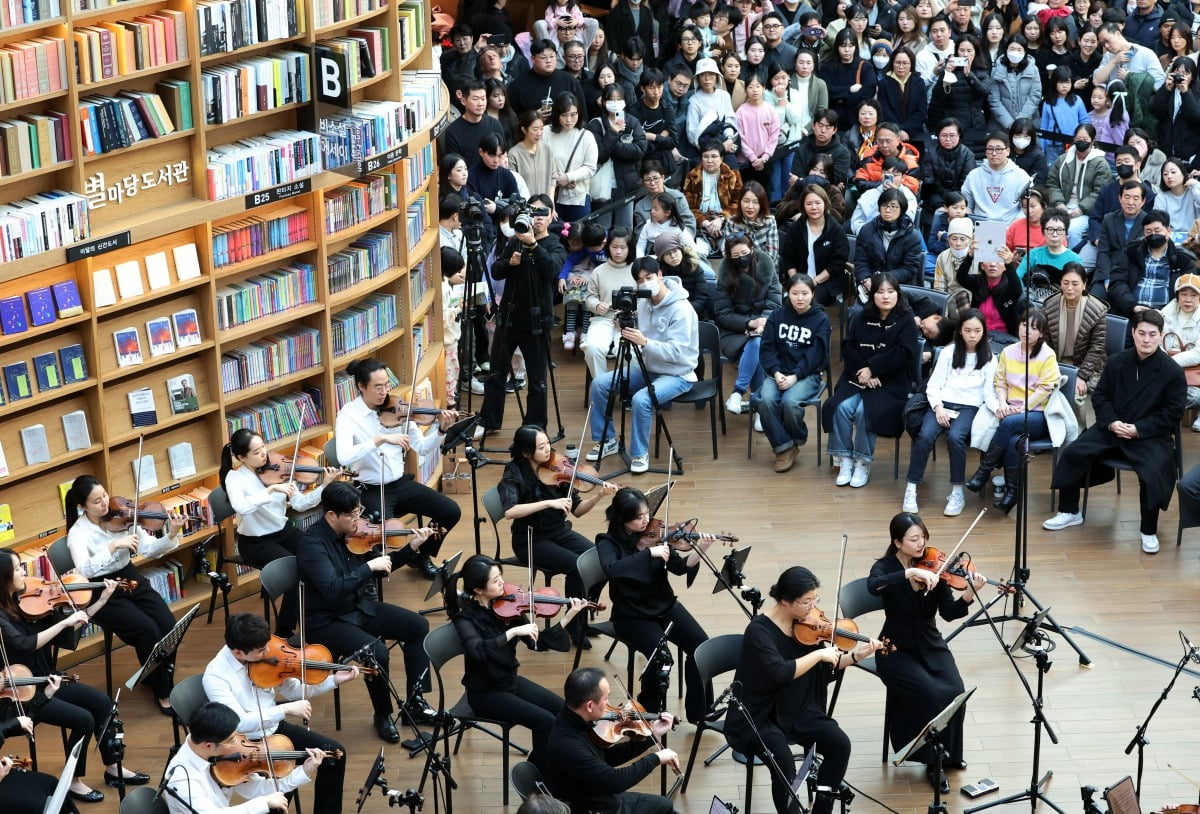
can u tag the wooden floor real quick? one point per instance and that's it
(1095, 579)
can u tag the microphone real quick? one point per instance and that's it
(1193, 653)
(1196, 693)
(162, 787)
(1028, 188)
(717, 711)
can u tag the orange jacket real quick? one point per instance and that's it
(872, 168)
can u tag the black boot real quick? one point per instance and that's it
(824, 802)
(986, 464)
(1012, 489)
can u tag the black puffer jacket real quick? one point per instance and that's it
(903, 256)
(966, 100)
(626, 150)
(943, 171)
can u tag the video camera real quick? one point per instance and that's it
(624, 302)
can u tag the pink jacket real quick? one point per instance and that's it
(759, 129)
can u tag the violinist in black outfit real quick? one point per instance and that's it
(921, 672)
(783, 685)
(494, 689)
(25, 792)
(643, 603)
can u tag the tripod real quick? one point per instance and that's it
(473, 233)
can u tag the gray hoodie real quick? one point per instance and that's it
(672, 331)
(995, 194)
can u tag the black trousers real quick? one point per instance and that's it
(140, 618)
(528, 704)
(81, 710)
(331, 775)
(832, 744)
(389, 623)
(1068, 501)
(559, 552)
(644, 634)
(634, 802)
(258, 551)
(405, 495)
(27, 793)
(508, 338)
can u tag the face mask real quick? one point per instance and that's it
(959, 254)
(1082, 146)
(881, 62)
(507, 230)
(742, 262)
(1022, 142)
(1124, 172)
(1156, 241)
(650, 286)
(1015, 57)
(615, 106)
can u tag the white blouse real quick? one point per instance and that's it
(260, 511)
(89, 544)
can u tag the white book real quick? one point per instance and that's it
(141, 408)
(149, 474)
(3, 463)
(182, 463)
(158, 274)
(102, 288)
(129, 279)
(37, 448)
(75, 428)
(187, 262)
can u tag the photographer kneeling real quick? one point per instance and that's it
(666, 332)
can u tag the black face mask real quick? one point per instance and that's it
(742, 262)
(1124, 172)
(1156, 241)
(1082, 146)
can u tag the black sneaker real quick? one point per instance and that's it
(514, 385)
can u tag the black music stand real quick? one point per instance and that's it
(374, 778)
(444, 572)
(931, 735)
(164, 648)
(54, 803)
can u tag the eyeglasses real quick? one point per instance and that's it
(808, 603)
(1054, 230)
(688, 39)
(771, 26)
(354, 515)
(995, 150)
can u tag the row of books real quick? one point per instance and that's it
(47, 304)
(279, 416)
(420, 279)
(110, 123)
(32, 68)
(121, 47)
(41, 222)
(329, 12)
(364, 52)
(368, 257)
(249, 86)
(257, 235)
(34, 140)
(132, 281)
(371, 127)
(363, 323)
(228, 25)
(51, 370)
(167, 579)
(345, 390)
(361, 200)
(421, 92)
(15, 13)
(262, 295)
(420, 219)
(412, 15)
(260, 162)
(418, 167)
(180, 458)
(270, 358)
(421, 334)
(180, 330)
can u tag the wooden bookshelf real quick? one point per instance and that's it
(151, 198)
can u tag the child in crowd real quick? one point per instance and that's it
(454, 275)
(587, 249)
(954, 205)
(604, 280)
(664, 217)
(1109, 116)
(1063, 115)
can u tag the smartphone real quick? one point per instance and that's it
(982, 787)
(958, 62)
(952, 413)
(889, 178)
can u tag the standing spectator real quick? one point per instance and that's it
(903, 97)
(1177, 108)
(463, 134)
(657, 116)
(934, 57)
(758, 127)
(533, 160)
(1142, 25)
(575, 153)
(962, 91)
(621, 142)
(710, 107)
(630, 18)
(1016, 91)
(537, 89)
(1109, 116)
(1062, 115)
(849, 78)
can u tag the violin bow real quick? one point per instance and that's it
(529, 558)
(137, 486)
(587, 422)
(262, 722)
(303, 659)
(412, 386)
(666, 527)
(298, 408)
(961, 540)
(9, 681)
(837, 599)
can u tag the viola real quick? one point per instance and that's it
(423, 412)
(1186, 808)
(274, 757)
(629, 720)
(311, 664)
(20, 684)
(513, 604)
(958, 573)
(367, 535)
(678, 536)
(816, 627)
(560, 469)
(305, 472)
(151, 515)
(42, 596)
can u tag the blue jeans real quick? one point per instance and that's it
(782, 411)
(843, 440)
(665, 389)
(749, 374)
(1012, 427)
(957, 437)
(570, 213)
(781, 168)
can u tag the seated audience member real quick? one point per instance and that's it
(996, 292)
(1144, 271)
(1116, 231)
(994, 189)
(746, 294)
(1181, 333)
(960, 236)
(1076, 329)
(1139, 402)
(824, 139)
(1040, 269)
(1076, 180)
(1179, 197)
(679, 259)
(610, 276)
(816, 245)
(867, 207)
(654, 177)
(954, 205)
(711, 191)
(888, 145)
(1027, 149)
(890, 242)
(1109, 200)
(818, 173)
(945, 165)
(752, 217)
(1026, 232)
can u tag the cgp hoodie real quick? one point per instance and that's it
(795, 344)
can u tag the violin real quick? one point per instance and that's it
(274, 757)
(816, 627)
(25, 764)
(305, 472)
(678, 536)
(959, 573)
(20, 684)
(367, 536)
(42, 596)
(423, 412)
(1186, 808)
(151, 515)
(513, 604)
(311, 664)
(561, 469)
(629, 720)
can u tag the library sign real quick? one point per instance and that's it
(100, 192)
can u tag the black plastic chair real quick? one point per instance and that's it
(144, 800)
(62, 562)
(1121, 464)
(222, 510)
(708, 389)
(856, 600)
(441, 645)
(1117, 331)
(593, 575)
(1189, 512)
(526, 779)
(495, 512)
(815, 402)
(186, 697)
(1045, 444)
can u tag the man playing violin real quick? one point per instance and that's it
(342, 608)
(227, 681)
(192, 788)
(376, 452)
(591, 779)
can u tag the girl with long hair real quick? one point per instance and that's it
(746, 293)
(752, 216)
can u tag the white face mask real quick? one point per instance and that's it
(880, 61)
(507, 230)
(959, 254)
(1021, 142)
(1015, 56)
(650, 286)
(615, 106)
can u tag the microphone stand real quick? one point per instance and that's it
(164, 788)
(114, 732)
(1139, 738)
(765, 754)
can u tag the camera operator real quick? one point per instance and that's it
(666, 331)
(529, 264)
(490, 181)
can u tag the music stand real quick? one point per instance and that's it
(164, 648)
(1027, 632)
(54, 802)
(1121, 797)
(656, 496)
(931, 734)
(459, 432)
(444, 572)
(728, 579)
(374, 778)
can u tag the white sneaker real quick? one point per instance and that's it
(477, 387)
(1196, 424)
(639, 464)
(846, 472)
(583, 342)
(1063, 520)
(955, 504)
(910, 501)
(862, 473)
(1150, 543)
(597, 452)
(734, 403)
(569, 340)
(479, 432)
(757, 423)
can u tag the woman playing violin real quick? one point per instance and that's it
(494, 689)
(263, 531)
(25, 792)
(643, 604)
(139, 617)
(530, 504)
(76, 707)
(921, 674)
(783, 685)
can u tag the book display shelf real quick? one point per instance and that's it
(208, 208)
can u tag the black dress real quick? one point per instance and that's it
(785, 709)
(921, 672)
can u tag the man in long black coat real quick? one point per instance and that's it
(1139, 403)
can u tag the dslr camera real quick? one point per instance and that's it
(1177, 78)
(471, 212)
(519, 215)
(624, 302)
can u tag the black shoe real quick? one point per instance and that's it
(1012, 490)
(424, 566)
(419, 708)
(940, 783)
(135, 779)
(386, 729)
(168, 711)
(514, 384)
(92, 796)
